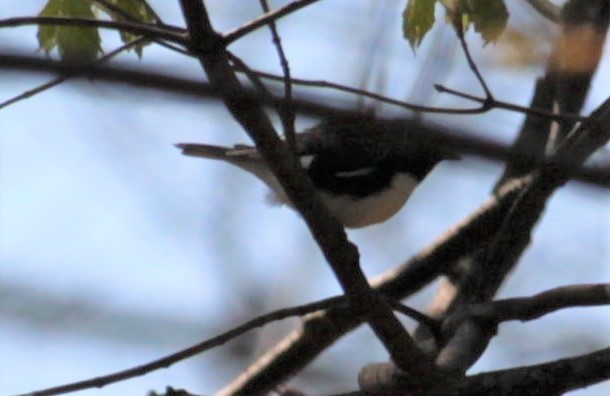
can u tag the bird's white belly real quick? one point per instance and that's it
(361, 212)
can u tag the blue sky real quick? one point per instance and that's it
(116, 250)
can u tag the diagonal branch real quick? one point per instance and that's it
(266, 19)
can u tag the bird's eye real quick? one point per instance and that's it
(357, 172)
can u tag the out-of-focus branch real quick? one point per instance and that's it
(563, 89)
(489, 99)
(43, 87)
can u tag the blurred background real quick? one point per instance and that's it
(116, 250)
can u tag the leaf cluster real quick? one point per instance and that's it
(487, 17)
(82, 44)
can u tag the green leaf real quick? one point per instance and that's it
(489, 17)
(130, 10)
(418, 19)
(74, 43)
(47, 34)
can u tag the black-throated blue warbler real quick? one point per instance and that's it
(364, 169)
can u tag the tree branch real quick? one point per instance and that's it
(528, 308)
(548, 379)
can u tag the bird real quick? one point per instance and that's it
(364, 169)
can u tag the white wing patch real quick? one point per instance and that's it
(357, 172)
(306, 161)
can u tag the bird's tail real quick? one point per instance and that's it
(244, 157)
(204, 150)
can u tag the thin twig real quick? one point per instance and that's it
(361, 92)
(414, 314)
(253, 76)
(168, 360)
(513, 107)
(418, 108)
(488, 103)
(431, 323)
(265, 19)
(286, 111)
